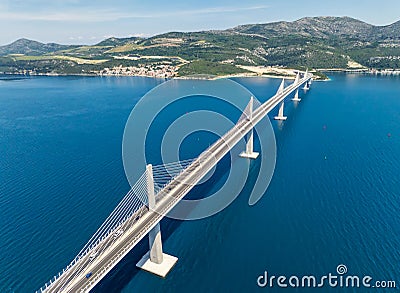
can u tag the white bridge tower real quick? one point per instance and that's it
(249, 153)
(280, 112)
(155, 261)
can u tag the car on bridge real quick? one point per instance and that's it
(93, 255)
(118, 233)
(88, 275)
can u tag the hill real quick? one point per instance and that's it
(311, 27)
(29, 47)
(314, 42)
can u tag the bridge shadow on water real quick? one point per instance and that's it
(125, 271)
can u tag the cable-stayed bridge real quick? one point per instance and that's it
(155, 193)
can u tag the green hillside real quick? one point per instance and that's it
(319, 42)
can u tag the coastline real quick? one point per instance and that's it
(386, 71)
(194, 77)
(249, 71)
(277, 73)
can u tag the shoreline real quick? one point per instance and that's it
(384, 72)
(216, 77)
(200, 76)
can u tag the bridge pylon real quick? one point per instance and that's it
(280, 91)
(281, 87)
(297, 78)
(249, 153)
(296, 96)
(280, 112)
(155, 261)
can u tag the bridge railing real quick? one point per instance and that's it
(131, 203)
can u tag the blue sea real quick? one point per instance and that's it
(334, 198)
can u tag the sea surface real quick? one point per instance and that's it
(334, 198)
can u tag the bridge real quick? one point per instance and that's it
(156, 192)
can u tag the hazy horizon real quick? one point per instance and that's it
(148, 36)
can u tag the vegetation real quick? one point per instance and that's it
(209, 68)
(321, 42)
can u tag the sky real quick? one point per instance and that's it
(88, 22)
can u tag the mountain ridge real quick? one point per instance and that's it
(314, 42)
(326, 26)
(283, 25)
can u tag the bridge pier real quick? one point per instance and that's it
(249, 153)
(155, 244)
(155, 261)
(308, 83)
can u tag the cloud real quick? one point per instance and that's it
(78, 38)
(220, 10)
(113, 15)
(137, 35)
